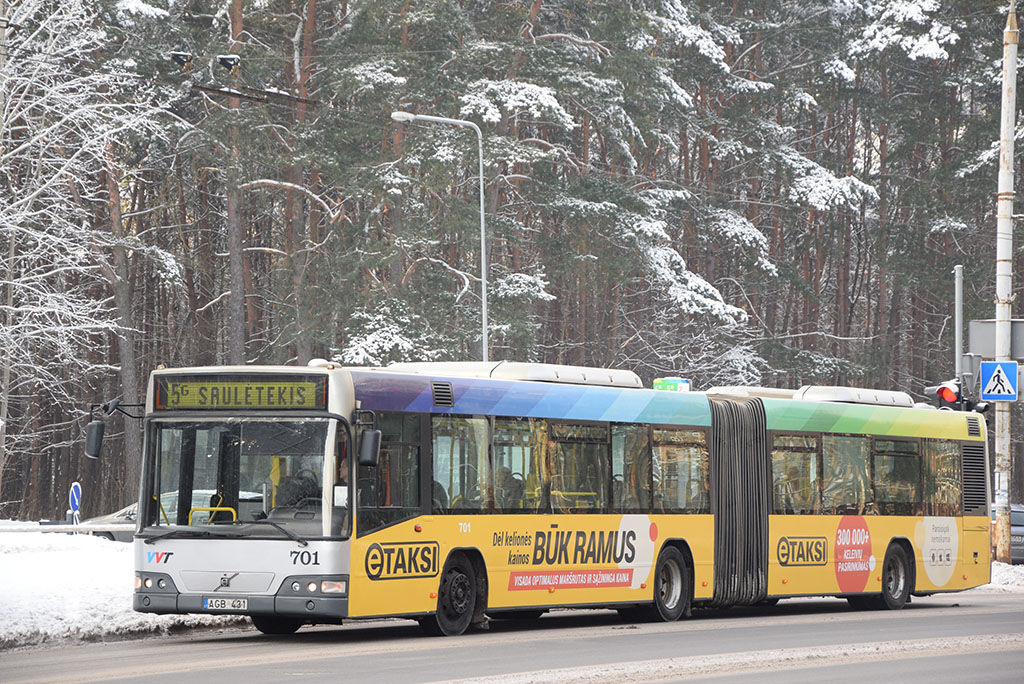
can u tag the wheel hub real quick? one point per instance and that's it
(458, 594)
(671, 585)
(894, 579)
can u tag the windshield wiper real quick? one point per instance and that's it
(291, 535)
(187, 533)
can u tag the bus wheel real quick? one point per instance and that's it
(671, 585)
(271, 624)
(895, 578)
(456, 599)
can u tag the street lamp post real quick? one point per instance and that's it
(407, 117)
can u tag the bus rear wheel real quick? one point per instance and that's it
(671, 585)
(272, 624)
(456, 599)
(895, 579)
(896, 584)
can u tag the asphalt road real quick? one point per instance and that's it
(969, 637)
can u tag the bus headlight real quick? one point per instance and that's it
(308, 586)
(333, 587)
(156, 581)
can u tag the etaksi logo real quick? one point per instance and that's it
(794, 551)
(401, 560)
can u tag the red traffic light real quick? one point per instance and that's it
(947, 393)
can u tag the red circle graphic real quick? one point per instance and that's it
(852, 554)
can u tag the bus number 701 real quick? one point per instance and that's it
(305, 557)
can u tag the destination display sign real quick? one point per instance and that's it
(243, 392)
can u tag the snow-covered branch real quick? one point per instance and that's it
(332, 213)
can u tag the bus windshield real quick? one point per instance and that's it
(245, 476)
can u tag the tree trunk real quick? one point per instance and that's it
(235, 242)
(118, 274)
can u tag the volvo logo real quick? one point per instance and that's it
(225, 581)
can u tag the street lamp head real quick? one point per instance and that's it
(402, 117)
(230, 62)
(182, 59)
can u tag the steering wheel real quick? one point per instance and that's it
(306, 474)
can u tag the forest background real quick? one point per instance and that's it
(737, 192)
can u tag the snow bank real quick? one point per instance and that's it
(1005, 578)
(60, 587)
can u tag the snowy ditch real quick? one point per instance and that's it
(58, 588)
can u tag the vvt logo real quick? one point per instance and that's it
(158, 556)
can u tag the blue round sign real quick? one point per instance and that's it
(75, 496)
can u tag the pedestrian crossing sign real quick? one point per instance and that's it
(999, 381)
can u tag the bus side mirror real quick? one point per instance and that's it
(94, 438)
(369, 447)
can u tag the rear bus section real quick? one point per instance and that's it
(875, 502)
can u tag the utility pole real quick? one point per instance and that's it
(1004, 278)
(236, 333)
(5, 374)
(958, 331)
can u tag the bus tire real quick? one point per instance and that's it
(456, 599)
(895, 578)
(671, 585)
(273, 624)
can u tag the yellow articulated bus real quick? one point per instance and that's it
(455, 493)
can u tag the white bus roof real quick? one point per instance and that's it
(513, 370)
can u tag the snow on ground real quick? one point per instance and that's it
(1005, 578)
(59, 587)
(63, 588)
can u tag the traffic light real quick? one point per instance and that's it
(951, 399)
(948, 394)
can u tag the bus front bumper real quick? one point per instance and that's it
(286, 603)
(308, 608)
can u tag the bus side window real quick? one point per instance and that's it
(390, 492)
(579, 462)
(680, 471)
(897, 468)
(517, 466)
(795, 474)
(942, 490)
(461, 469)
(846, 478)
(631, 469)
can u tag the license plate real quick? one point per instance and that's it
(225, 604)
